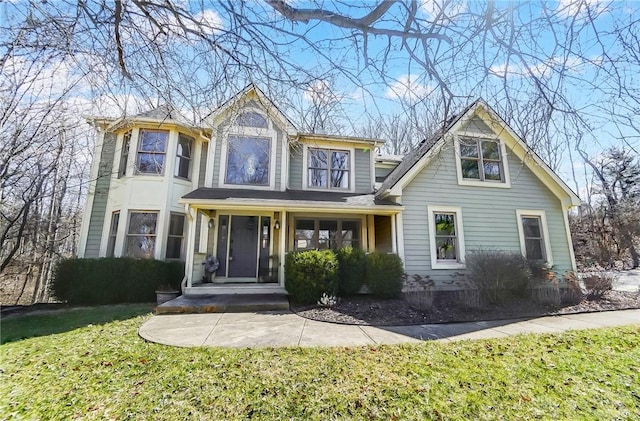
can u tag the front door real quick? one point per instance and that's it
(243, 247)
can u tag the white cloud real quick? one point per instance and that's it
(443, 10)
(543, 68)
(581, 8)
(407, 87)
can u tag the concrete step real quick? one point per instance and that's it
(229, 303)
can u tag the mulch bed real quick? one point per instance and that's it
(365, 310)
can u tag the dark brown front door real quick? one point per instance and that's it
(243, 247)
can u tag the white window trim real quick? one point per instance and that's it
(506, 184)
(327, 146)
(435, 264)
(191, 158)
(240, 131)
(545, 232)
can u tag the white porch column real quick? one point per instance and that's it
(191, 240)
(400, 235)
(283, 246)
(394, 239)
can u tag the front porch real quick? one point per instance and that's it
(248, 239)
(224, 303)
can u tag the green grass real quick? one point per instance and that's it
(105, 371)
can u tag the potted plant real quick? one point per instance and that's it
(166, 292)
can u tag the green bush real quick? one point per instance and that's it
(352, 265)
(113, 280)
(384, 275)
(309, 274)
(499, 275)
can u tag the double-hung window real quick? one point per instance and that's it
(183, 157)
(141, 235)
(534, 235)
(481, 162)
(175, 237)
(328, 169)
(113, 232)
(124, 154)
(446, 237)
(152, 150)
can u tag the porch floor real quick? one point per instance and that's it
(224, 303)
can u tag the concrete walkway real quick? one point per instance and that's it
(276, 329)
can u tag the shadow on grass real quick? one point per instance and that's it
(43, 323)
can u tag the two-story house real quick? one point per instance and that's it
(247, 187)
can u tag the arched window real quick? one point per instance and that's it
(252, 119)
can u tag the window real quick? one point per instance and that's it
(446, 237)
(328, 169)
(481, 160)
(141, 235)
(534, 236)
(248, 160)
(124, 154)
(152, 147)
(175, 237)
(252, 119)
(183, 156)
(113, 231)
(311, 234)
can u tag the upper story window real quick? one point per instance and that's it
(152, 150)
(252, 119)
(183, 156)
(124, 154)
(481, 162)
(328, 169)
(248, 160)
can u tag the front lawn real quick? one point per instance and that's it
(105, 371)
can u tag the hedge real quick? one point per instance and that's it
(384, 275)
(113, 280)
(352, 265)
(309, 274)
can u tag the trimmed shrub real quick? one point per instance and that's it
(112, 280)
(309, 274)
(498, 275)
(571, 292)
(352, 265)
(384, 275)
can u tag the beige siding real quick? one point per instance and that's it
(97, 219)
(488, 214)
(203, 164)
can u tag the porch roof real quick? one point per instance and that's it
(290, 200)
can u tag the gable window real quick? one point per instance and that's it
(141, 235)
(152, 147)
(328, 169)
(534, 235)
(113, 231)
(311, 234)
(124, 154)
(183, 157)
(481, 160)
(248, 160)
(252, 119)
(446, 237)
(175, 237)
